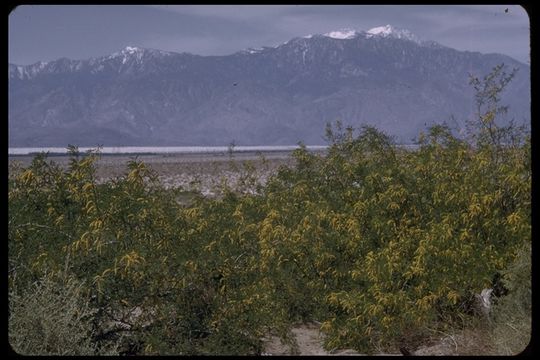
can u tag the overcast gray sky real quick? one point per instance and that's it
(47, 32)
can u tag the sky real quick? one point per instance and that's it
(49, 32)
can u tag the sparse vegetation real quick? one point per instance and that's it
(381, 245)
(512, 313)
(53, 317)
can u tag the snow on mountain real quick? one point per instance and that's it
(342, 34)
(252, 50)
(131, 49)
(381, 30)
(390, 31)
(130, 52)
(26, 72)
(386, 31)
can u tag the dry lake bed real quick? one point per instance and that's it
(190, 171)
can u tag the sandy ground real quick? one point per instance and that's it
(309, 341)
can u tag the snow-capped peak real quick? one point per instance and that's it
(381, 30)
(128, 50)
(131, 49)
(342, 34)
(253, 50)
(390, 31)
(26, 71)
(134, 52)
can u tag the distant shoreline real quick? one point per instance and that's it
(173, 150)
(135, 150)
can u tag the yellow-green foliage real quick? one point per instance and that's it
(370, 239)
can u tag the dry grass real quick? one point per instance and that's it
(512, 314)
(52, 317)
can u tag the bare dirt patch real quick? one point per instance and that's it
(308, 340)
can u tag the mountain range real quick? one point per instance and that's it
(279, 95)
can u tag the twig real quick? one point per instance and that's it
(44, 227)
(238, 257)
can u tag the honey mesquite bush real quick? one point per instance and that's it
(373, 240)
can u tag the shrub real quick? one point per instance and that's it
(52, 317)
(373, 241)
(512, 313)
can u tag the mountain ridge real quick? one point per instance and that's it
(268, 95)
(385, 31)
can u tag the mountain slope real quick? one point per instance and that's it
(384, 77)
